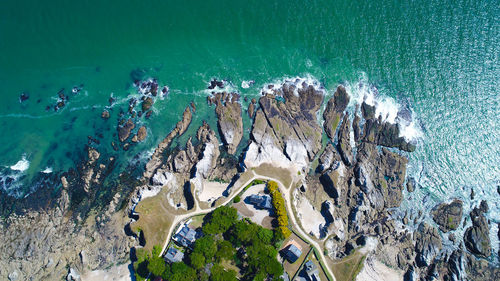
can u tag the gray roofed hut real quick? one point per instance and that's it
(186, 236)
(262, 202)
(293, 253)
(173, 255)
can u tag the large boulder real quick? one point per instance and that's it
(427, 244)
(476, 237)
(448, 216)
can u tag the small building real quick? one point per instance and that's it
(311, 271)
(261, 202)
(186, 236)
(173, 255)
(292, 253)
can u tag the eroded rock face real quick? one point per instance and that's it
(230, 122)
(448, 216)
(334, 111)
(285, 130)
(428, 244)
(476, 237)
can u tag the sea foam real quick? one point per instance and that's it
(21, 165)
(387, 108)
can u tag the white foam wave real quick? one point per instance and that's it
(247, 84)
(386, 108)
(21, 165)
(299, 82)
(47, 170)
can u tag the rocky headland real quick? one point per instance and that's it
(344, 189)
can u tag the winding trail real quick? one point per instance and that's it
(286, 191)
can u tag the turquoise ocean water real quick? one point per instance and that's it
(440, 59)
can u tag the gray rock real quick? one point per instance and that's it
(334, 111)
(344, 142)
(427, 244)
(229, 119)
(448, 216)
(476, 237)
(124, 131)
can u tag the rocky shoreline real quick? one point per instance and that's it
(359, 180)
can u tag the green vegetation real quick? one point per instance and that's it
(279, 209)
(254, 182)
(232, 249)
(237, 199)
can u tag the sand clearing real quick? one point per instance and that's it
(310, 219)
(375, 271)
(116, 273)
(211, 191)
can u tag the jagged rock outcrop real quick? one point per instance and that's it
(427, 244)
(476, 237)
(87, 169)
(158, 156)
(229, 120)
(329, 158)
(285, 130)
(448, 216)
(382, 133)
(344, 142)
(335, 110)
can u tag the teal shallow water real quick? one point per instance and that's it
(440, 58)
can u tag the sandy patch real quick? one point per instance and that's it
(375, 271)
(211, 191)
(310, 219)
(116, 273)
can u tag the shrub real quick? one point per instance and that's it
(237, 199)
(279, 209)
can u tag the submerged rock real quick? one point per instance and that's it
(105, 115)
(448, 216)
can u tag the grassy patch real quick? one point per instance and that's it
(281, 174)
(348, 268)
(155, 218)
